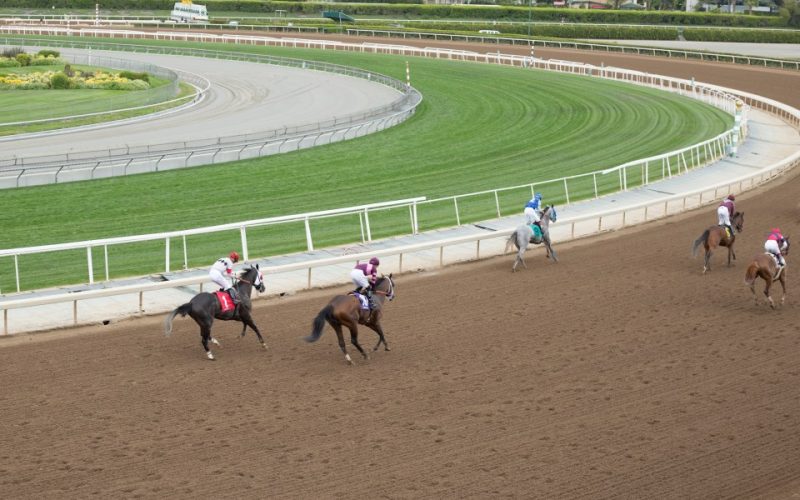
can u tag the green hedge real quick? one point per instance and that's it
(414, 9)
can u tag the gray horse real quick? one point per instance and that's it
(523, 235)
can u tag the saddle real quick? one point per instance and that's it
(726, 230)
(225, 302)
(778, 265)
(536, 237)
(363, 301)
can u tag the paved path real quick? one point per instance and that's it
(770, 140)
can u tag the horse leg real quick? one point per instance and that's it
(783, 286)
(205, 333)
(376, 327)
(337, 327)
(244, 329)
(766, 291)
(248, 321)
(730, 253)
(550, 252)
(354, 339)
(519, 259)
(707, 263)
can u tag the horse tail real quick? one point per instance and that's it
(702, 239)
(511, 239)
(319, 323)
(182, 310)
(751, 274)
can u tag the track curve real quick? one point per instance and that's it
(620, 372)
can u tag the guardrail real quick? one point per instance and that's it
(567, 228)
(362, 211)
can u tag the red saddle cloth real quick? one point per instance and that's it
(225, 302)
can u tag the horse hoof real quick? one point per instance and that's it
(210, 356)
(264, 345)
(214, 341)
(387, 348)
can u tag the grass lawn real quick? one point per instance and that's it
(24, 104)
(480, 127)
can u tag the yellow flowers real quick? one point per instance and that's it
(81, 80)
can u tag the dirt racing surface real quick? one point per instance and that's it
(620, 372)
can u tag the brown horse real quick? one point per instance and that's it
(764, 266)
(345, 310)
(717, 236)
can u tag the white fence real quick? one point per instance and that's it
(362, 211)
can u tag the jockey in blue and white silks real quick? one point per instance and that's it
(532, 209)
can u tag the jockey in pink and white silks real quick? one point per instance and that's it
(775, 245)
(725, 211)
(532, 209)
(364, 277)
(221, 273)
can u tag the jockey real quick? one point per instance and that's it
(221, 273)
(775, 244)
(532, 209)
(725, 211)
(364, 277)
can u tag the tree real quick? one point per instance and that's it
(790, 13)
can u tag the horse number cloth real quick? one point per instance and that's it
(225, 302)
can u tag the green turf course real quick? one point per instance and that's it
(480, 127)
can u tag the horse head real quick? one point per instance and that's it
(785, 248)
(550, 211)
(738, 221)
(386, 285)
(254, 276)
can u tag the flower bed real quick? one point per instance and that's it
(42, 80)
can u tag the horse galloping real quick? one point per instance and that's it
(204, 308)
(523, 235)
(345, 310)
(764, 266)
(716, 236)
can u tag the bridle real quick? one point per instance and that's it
(388, 294)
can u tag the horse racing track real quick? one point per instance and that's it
(621, 371)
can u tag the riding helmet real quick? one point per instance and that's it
(538, 196)
(732, 197)
(374, 261)
(234, 256)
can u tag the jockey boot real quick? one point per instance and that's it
(369, 299)
(730, 228)
(234, 295)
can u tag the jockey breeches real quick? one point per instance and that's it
(359, 278)
(218, 278)
(723, 216)
(530, 216)
(772, 247)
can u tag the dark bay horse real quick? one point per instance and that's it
(764, 266)
(717, 236)
(523, 235)
(345, 310)
(204, 308)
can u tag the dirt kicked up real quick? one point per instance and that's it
(620, 372)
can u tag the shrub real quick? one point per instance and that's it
(6, 62)
(23, 59)
(132, 75)
(59, 81)
(48, 53)
(68, 70)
